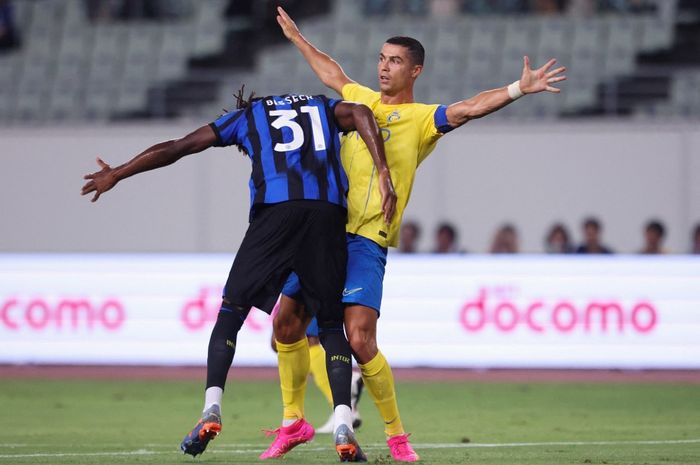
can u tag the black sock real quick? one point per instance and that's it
(338, 363)
(222, 344)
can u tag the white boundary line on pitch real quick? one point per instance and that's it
(557, 443)
(141, 452)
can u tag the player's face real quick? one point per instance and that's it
(395, 69)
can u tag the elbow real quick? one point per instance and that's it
(464, 112)
(360, 110)
(474, 110)
(332, 76)
(194, 142)
(327, 81)
(177, 149)
(363, 117)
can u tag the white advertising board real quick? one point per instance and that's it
(458, 311)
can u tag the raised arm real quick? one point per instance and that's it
(328, 70)
(531, 82)
(355, 116)
(157, 156)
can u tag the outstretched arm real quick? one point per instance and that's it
(327, 69)
(531, 82)
(355, 116)
(157, 156)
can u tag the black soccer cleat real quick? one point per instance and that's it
(347, 447)
(206, 429)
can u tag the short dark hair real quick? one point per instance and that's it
(509, 228)
(448, 229)
(656, 226)
(592, 222)
(558, 228)
(415, 48)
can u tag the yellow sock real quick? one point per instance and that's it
(380, 383)
(317, 357)
(293, 361)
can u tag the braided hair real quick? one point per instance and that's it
(241, 104)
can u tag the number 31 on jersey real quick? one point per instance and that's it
(286, 118)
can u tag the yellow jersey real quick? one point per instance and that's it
(410, 132)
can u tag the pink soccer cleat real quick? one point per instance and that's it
(401, 449)
(288, 437)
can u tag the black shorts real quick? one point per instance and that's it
(304, 236)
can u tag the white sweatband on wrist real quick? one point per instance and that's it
(514, 91)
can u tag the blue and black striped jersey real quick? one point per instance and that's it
(294, 144)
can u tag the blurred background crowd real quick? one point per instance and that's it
(557, 239)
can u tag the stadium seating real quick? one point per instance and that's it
(468, 54)
(685, 94)
(73, 69)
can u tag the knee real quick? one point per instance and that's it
(363, 344)
(289, 330)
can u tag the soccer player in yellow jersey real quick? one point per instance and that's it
(411, 132)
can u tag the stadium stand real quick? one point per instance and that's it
(71, 68)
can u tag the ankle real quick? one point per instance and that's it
(287, 422)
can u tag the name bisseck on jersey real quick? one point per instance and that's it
(288, 99)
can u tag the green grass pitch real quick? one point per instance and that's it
(142, 422)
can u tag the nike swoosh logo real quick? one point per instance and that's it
(351, 291)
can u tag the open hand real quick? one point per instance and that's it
(289, 27)
(539, 80)
(100, 181)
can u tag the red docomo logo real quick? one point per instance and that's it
(201, 312)
(40, 314)
(560, 317)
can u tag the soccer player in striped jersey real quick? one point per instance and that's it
(411, 132)
(297, 224)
